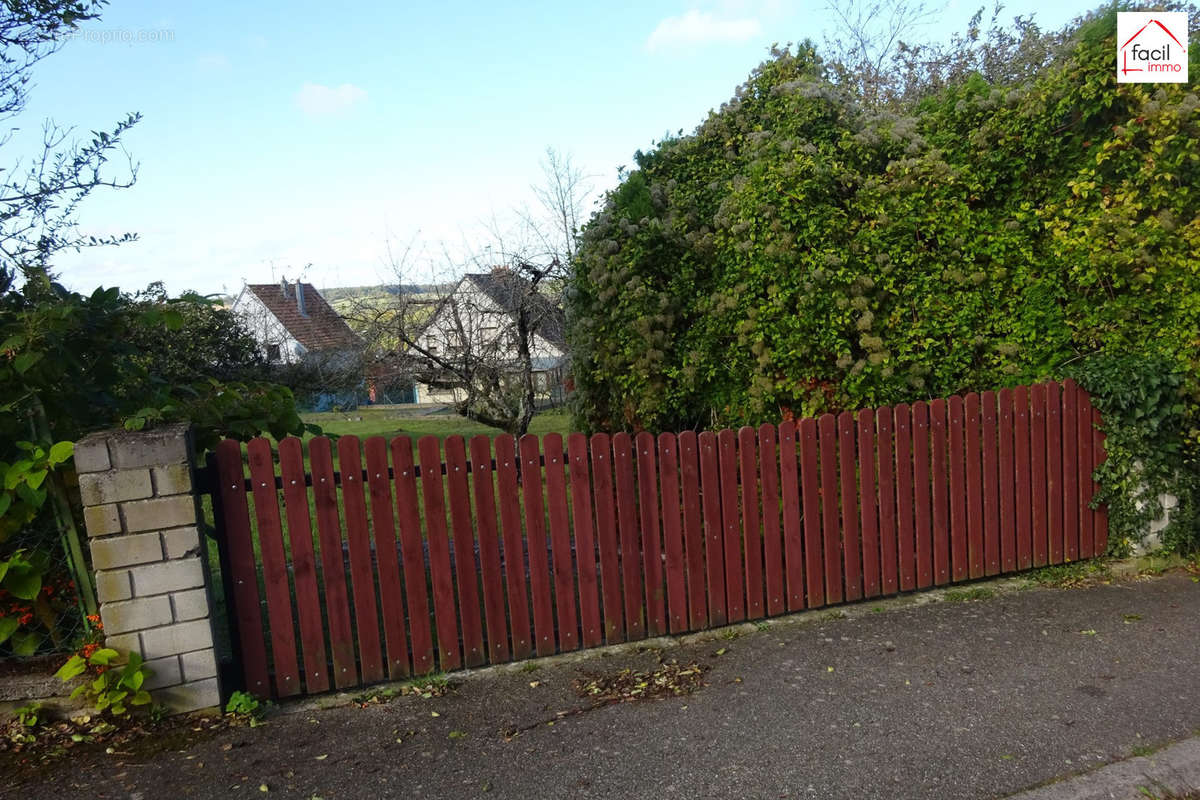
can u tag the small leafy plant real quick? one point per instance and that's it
(245, 707)
(115, 687)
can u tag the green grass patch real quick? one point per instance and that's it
(969, 595)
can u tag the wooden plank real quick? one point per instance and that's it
(484, 492)
(922, 507)
(441, 573)
(768, 466)
(668, 465)
(631, 551)
(991, 485)
(286, 665)
(851, 536)
(810, 492)
(466, 574)
(959, 561)
(513, 538)
(647, 469)
(1008, 483)
(606, 539)
(793, 532)
(938, 458)
(1099, 455)
(751, 522)
(362, 571)
(1070, 468)
(974, 466)
(333, 563)
(412, 554)
(304, 565)
(868, 502)
(592, 629)
(387, 557)
(693, 529)
(248, 607)
(1054, 474)
(1084, 436)
(831, 537)
(735, 590)
(560, 544)
(906, 550)
(1023, 467)
(1037, 451)
(888, 538)
(537, 543)
(714, 558)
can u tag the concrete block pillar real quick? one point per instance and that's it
(142, 512)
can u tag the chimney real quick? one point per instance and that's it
(300, 299)
(283, 287)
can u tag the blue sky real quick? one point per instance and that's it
(278, 135)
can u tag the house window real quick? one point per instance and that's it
(272, 352)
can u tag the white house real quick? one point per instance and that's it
(295, 327)
(477, 319)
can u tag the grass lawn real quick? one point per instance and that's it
(389, 422)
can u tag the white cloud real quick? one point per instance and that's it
(315, 99)
(701, 27)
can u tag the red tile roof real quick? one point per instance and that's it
(320, 328)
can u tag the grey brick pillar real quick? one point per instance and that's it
(141, 512)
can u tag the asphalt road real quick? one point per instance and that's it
(973, 699)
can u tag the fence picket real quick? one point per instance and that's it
(830, 530)
(906, 550)
(735, 590)
(938, 456)
(922, 507)
(888, 539)
(606, 536)
(537, 544)
(768, 464)
(714, 559)
(751, 522)
(236, 517)
(383, 526)
(1084, 434)
(974, 466)
(868, 502)
(560, 544)
(466, 576)
(513, 539)
(362, 573)
(1070, 468)
(1037, 450)
(333, 563)
(412, 554)
(274, 568)
(851, 536)
(304, 565)
(793, 531)
(1055, 487)
(648, 504)
(959, 556)
(668, 460)
(585, 540)
(1023, 460)
(814, 565)
(441, 574)
(693, 529)
(483, 490)
(991, 485)
(631, 551)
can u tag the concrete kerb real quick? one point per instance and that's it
(1168, 772)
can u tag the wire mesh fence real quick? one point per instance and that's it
(45, 608)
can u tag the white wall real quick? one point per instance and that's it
(267, 329)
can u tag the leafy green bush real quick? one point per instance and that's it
(803, 252)
(111, 688)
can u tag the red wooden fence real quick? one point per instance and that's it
(535, 547)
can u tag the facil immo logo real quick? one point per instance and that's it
(1152, 47)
